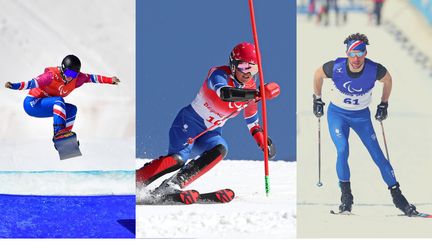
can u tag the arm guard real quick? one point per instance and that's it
(237, 94)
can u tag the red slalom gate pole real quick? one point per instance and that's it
(263, 100)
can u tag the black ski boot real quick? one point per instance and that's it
(347, 198)
(166, 188)
(400, 201)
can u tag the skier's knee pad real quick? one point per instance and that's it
(179, 160)
(222, 150)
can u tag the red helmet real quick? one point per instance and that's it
(243, 52)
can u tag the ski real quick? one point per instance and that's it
(178, 198)
(418, 215)
(220, 196)
(422, 215)
(188, 197)
(341, 213)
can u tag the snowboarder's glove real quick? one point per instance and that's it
(258, 135)
(8, 85)
(115, 80)
(318, 106)
(381, 113)
(272, 90)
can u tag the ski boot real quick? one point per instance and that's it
(157, 168)
(63, 133)
(346, 197)
(168, 186)
(401, 202)
(67, 144)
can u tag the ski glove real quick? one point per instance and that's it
(258, 135)
(381, 113)
(318, 106)
(115, 80)
(8, 85)
(272, 90)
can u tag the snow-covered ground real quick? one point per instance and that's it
(39, 33)
(66, 183)
(407, 130)
(250, 215)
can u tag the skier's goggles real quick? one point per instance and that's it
(70, 73)
(247, 67)
(357, 53)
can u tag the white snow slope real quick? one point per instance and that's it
(407, 130)
(39, 33)
(250, 215)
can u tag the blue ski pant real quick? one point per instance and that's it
(63, 113)
(188, 124)
(340, 121)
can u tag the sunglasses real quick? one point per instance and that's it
(247, 67)
(70, 73)
(358, 54)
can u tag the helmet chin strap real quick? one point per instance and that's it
(233, 76)
(62, 74)
(64, 78)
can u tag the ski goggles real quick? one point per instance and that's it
(358, 53)
(70, 73)
(247, 67)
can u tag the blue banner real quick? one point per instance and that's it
(67, 216)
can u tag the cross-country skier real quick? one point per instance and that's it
(225, 91)
(353, 79)
(47, 92)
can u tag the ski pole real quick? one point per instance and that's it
(263, 104)
(385, 141)
(319, 184)
(216, 124)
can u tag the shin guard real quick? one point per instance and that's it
(196, 168)
(157, 168)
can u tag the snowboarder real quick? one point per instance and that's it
(353, 79)
(226, 91)
(47, 92)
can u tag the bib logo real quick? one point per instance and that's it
(232, 105)
(347, 85)
(62, 91)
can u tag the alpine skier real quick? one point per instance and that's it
(47, 92)
(353, 79)
(225, 91)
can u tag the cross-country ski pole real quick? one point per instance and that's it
(385, 141)
(263, 104)
(319, 183)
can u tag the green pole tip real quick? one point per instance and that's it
(267, 185)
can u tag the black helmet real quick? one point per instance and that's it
(71, 62)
